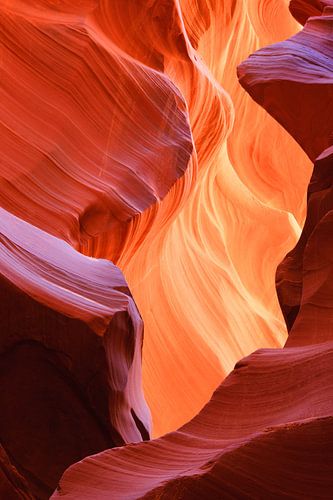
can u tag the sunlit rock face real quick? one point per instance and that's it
(101, 115)
(138, 174)
(212, 251)
(300, 95)
(91, 137)
(267, 429)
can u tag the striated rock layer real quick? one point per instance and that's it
(293, 80)
(304, 276)
(70, 355)
(211, 252)
(261, 430)
(126, 134)
(298, 91)
(126, 138)
(91, 136)
(267, 431)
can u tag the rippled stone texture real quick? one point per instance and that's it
(106, 105)
(298, 91)
(220, 233)
(262, 429)
(293, 81)
(70, 360)
(90, 136)
(267, 431)
(303, 278)
(103, 103)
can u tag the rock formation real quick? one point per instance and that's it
(267, 431)
(136, 170)
(262, 435)
(71, 341)
(91, 137)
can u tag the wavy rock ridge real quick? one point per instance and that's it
(70, 355)
(91, 137)
(168, 63)
(127, 138)
(231, 447)
(212, 244)
(267, 431)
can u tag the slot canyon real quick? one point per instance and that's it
(166, 212)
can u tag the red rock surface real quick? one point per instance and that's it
(128, 143)
(88, 62)
(293, 80)
(303, 278)
(267, 431)
(298, 91)
(70, 345)
(12, 485)
(218, 236)
(303, 9)
(90, 137)
(265, 426)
